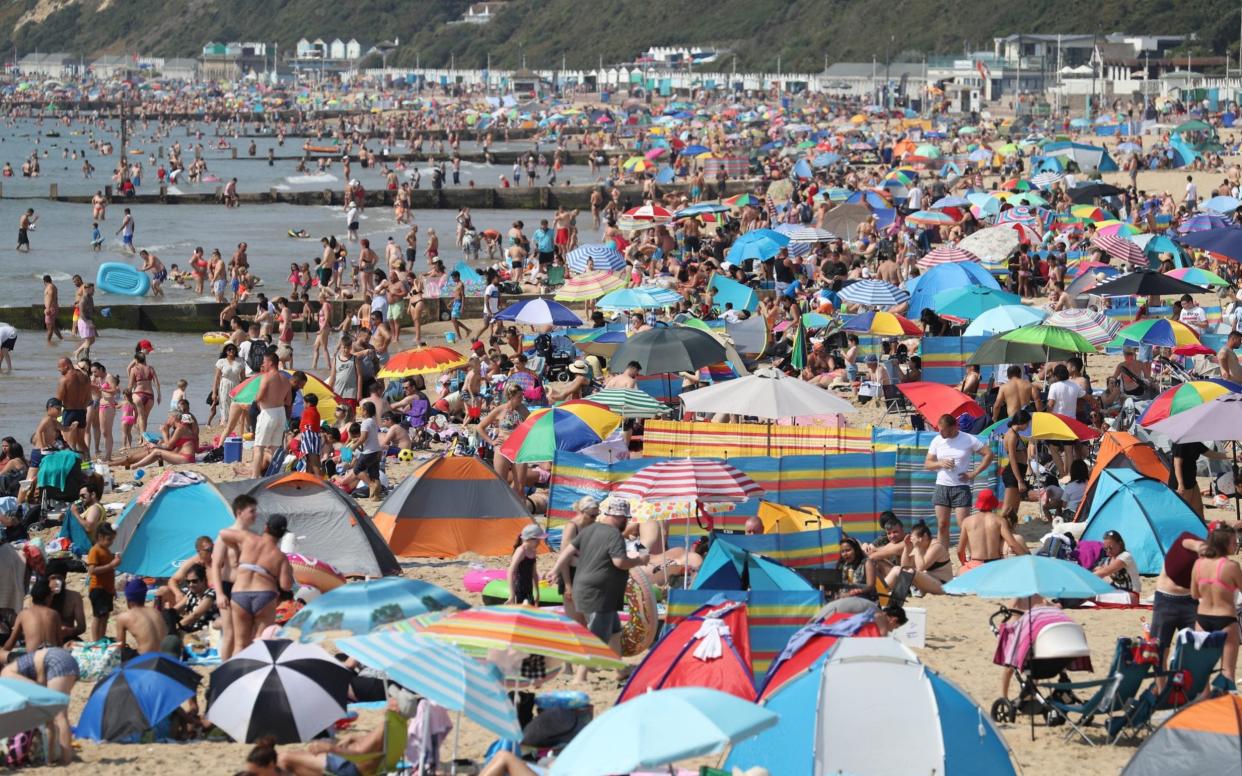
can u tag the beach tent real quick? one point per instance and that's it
(156, 531)
(1119, 449)
(451, 505)
(1147, 513)
(728, 290)
(846, 714)
(1204, 737)
(473, 280)
(943, 277)
(729, 567)
(327, 523)
(710, 648)
(809, 645)
(1089, 158)
(844, 219)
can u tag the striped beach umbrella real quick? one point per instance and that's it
(279, 688)
(931, 218)
(1198, 276)
(883, 324)
(629, 402)
(1182, 397)
(539, 312)
(1096, 328)
(1156, 331)
(945, 254)
(603, 257)
(248, 389)
(590, 285)
(805, 234)
(570, 426)
(526, 629)
(688, 479)
(1120, 248)
(421, 361)
(441, 673)
(873, 293)
(650, 212)
(1046, 180)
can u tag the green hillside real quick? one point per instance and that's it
(800, 32)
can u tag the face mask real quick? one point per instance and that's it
(56, 585)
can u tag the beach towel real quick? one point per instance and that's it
(168, 479)
(55, 469)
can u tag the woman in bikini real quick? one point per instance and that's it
(108, 392)
(324, 320)
(263, 573)
(1214, 582)
(506, 417)
(180, 449)
(145, 384)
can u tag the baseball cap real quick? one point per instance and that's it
(145, 346)
(54, 402)
(135, 589)
(477, 346)
(533, 531)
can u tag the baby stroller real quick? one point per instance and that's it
(1039, 645)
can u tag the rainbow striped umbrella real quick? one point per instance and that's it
(1160, 332)
(946, 254)
(1182, 397)
(526, 629)
(591, 285)
(1198, 276)
(740, 200)
(1096, 328)
(931, 218)
(421, 361)
(248, 389)
(1046, 426)
(883, 324)
(570, 426)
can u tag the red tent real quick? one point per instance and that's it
(815, 643)
(710, 648)
(933, 400)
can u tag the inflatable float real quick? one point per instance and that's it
(116, 278)
(638, 633)
(215, 338)
(497, 592)
(299, 234)
(315, 573)
(320, 149)
(476, 579)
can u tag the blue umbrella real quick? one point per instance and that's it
(1221, 204)
(440, 672)
(759, 235)
(642, 298)
(951, 201)
(136, 697)
(1029, 575)
(25, 705)
(1227, 242)
(826, 159)
(361, 607)
(970, 302)
(1004, 318)
(695, 150)
(539, 312)
(661, 727)
(873, 293)
(762, 249)
(943, 277)
(605, 256)
(702, 208)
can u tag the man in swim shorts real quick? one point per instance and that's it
(74, 392)
(127, 231)
(274, 400)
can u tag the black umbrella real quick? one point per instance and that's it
(1001, 351)
(1145, 283)
(1089, 192)
(670, 349)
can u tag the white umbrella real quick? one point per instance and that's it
(992, 244)
(766, 394)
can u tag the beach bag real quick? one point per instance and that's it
(1057, 545)
(254, 357)
(96, 659)
(23, 749)
(1146, 652)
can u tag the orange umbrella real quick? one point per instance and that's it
(420, 361)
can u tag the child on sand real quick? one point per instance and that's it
(523, 577)
(129, 416)
(101, 564)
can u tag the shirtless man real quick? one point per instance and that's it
(1135, 375)
(38, 625)
(48, 432)
(215, 273)
(74, 392)
(51, 306)
(24, 225)
(984, 534)
(1230, 369)
(627, 378)
(86, 320)
(1016, 393)
(562, 222)
(274, 398)
(151, 263)
(142, 622)
(222, 572)
(889, 271)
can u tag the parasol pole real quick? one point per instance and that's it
(457, 735)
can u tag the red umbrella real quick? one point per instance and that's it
(688, 479)
(1120, 248)
(946, 254)
(1197, 349)
(649, 212)
(934, 400)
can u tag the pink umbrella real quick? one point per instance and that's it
(1120, 248)
(649, 212)
(655, 153)
(946, 254)
(688, 479)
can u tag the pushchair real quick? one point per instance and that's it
(1041, 645)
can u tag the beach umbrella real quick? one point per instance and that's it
(604, 257)
(758, 235)
(661, 727)
(641, 298)
(760, 249)
(246, 391)
(998, 350)
(1050, 337)
(1226, 242)
(1046, 180)
(1023, 576)
(440, 672)
(741, 200)
(1197, 349)
(880, 324)
(873, 293)
(524, 628)
(991, 245)
(637, 164)
(570, 426)
(670, 349)
(136, 697)
(931, 218)
(280, 688)
(1221, 204)
(590, 285)
(1005, 318)
(650, 212)
(945, 254)
(1198, 276)
(943, 277)
(1144, 283)
(701, 209)
(361, 607)
(1202, 221)
(25, 705)
(421, 361)
(1120, 248)
(1046, 427)
(1203, 737)
(1156, 331)
(1218, 420)
(943, 730)
(629, 402)
(539, 312)
(1095, 327)
(934, 400)
(768, 394)
(689, 479)
(601, 342)
(1183, 397)
(969, 302)
(806, 234)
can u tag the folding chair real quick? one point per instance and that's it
(1114, 696)
(556, 277)
(896, 404)
(1190, 670)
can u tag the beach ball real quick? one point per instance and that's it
(405, 456)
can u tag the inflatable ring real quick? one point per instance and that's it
(315, 573)
(639, 632)
(476, 579)
(215, 338)
(497, 592)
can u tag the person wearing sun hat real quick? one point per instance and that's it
(984, 534)
(579, 382)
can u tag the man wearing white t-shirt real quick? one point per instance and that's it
(1192, 314)
(1063, 396)
(949, 456)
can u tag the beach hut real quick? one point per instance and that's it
(710, 648)
(1146, 512)
(156, 532)
(327, 523)
(449, 506)
(841, 716)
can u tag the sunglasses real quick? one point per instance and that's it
(192, 580)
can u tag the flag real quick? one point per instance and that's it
(797, 354)
(983, 70)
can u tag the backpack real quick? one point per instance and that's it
(1059, 546)
(254, 357)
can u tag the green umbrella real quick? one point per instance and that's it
(629, 402)
(1049, 337)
